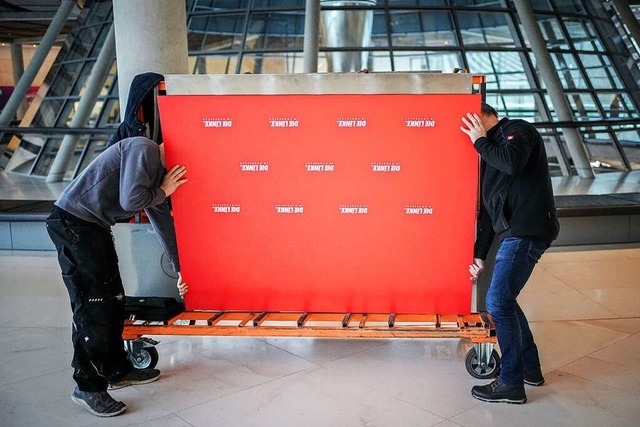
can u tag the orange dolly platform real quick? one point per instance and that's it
(482, 360)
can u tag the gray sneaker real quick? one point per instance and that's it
(137, 376)
(98, 403)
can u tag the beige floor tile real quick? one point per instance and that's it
(31, 282)
(26, 353)
(624, 302)
(199, 369)
(542, 281)
(561, 305)
(554, 256)
(317, 397)
(560, 343)
(629, 326)
(45, 401)
(429, 374)
(447, 423)
(323, 351)
(615, 273)
(564, 401)
(625, 377)
(623, 352)
(40, 312)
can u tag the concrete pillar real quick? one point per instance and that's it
(151, 35)
(554, 88)
(628, 18)
(22, 87)
(94, 85)
(17, 63)
(311, 32)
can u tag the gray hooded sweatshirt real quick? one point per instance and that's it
(121, 181)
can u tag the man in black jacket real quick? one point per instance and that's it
(517, 206)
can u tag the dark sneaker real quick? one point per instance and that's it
(534, 378)
(497, 391)
(137, 376)
(98, 403)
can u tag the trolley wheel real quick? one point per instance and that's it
(146, 357)
(479, 369)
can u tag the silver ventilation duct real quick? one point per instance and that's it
(347, 28)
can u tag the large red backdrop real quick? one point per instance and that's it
(324, 203)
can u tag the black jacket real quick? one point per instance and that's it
(516, 193)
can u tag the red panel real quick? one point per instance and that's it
(324, 203)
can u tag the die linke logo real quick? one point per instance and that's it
(319, 167)
(284, 122)
(217, 122)
(254, 166)
(225, 208)
(353, 209)
(418, 210)
(420, 122)
(385, 167)
(290, 209)
(351, 122)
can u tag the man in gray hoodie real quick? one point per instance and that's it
(127, 177)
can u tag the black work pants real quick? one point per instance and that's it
(89, 265)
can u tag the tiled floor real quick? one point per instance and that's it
(585, 311)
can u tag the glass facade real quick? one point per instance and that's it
(594, 57)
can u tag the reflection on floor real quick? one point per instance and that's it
(584, 305)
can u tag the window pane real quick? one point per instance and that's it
(509, 70)
(597, 43)
(82, 78)
(432, 28)
(380, 61)
(416, 2)
(550, 28)
(210, 33)
(278, 3)
(483, 28)
(504, 70)
(617, 83)
(47, 113)
(540, 5)
(46, 157)
(275, 30)
(599, 75)
(568, 71)
(578, 34)
(64, 79)
(629, 138)
(273, 63)
(479, 3)
(583, 106)
(111, 114)
(426, 61)
(203, 5)
(602, 153)
(569, 6)
(520, 106)
(379, 33)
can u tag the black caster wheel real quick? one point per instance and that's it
(482, 370)
(146, 357)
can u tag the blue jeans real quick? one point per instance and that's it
(515, 261)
